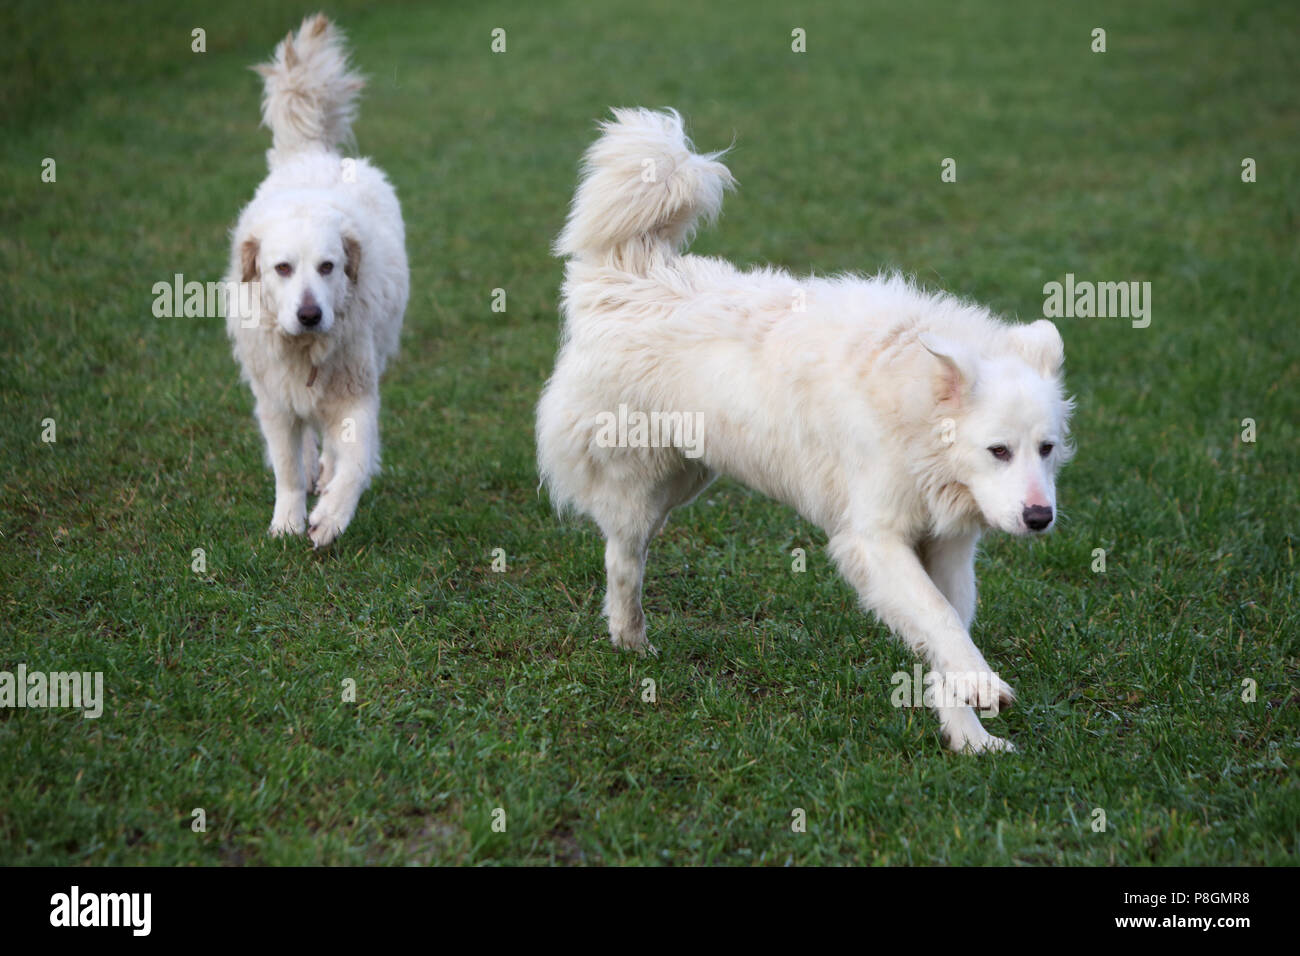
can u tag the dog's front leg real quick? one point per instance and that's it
(950, 562)
(282, 430)
(351, 438)
(891, 581)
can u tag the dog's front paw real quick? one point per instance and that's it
(990, 694)
(289, 516)
(282, 525)
(323, 535)
(978, 741)
(963, 732)
(973, 684)
(324, 525)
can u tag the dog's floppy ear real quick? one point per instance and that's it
(248, 259)
(957, 376)
(351, 257)
(1040, 344)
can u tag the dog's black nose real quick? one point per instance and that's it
(309, 315)
(1037, 517)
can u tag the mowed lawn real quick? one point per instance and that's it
(479, 691)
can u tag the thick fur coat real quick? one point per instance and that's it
(902, 422)
(324, 245)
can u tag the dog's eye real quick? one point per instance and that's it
(1000, 452)
(1045, 448)
(325, 268)
(284, 269)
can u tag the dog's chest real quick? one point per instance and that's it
(294, 377)
(299, 396)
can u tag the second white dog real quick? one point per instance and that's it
(903, 423)
(324, 244)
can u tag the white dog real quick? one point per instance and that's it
(903, 423)
(324, 242)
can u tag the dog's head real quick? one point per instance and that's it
(307, 266)
(1009, 421)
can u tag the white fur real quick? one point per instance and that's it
(866, 404)
(315, 207)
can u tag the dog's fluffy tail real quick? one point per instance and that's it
(310, 96)
(644, 190)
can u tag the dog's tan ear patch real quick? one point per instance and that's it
(248, 260)
(351, 257)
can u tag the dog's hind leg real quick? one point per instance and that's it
(626, 546)
(311, 457)
(325, 468)
(283, 432)
(634, 518)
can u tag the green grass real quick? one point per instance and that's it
(478, 690)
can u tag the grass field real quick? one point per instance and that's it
(479, 690)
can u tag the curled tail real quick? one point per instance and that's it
(310, 96)
(643, 192)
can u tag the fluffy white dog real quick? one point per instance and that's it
(324, 243)
(903, 423)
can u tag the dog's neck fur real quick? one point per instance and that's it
(950, 507)
(304, 353)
